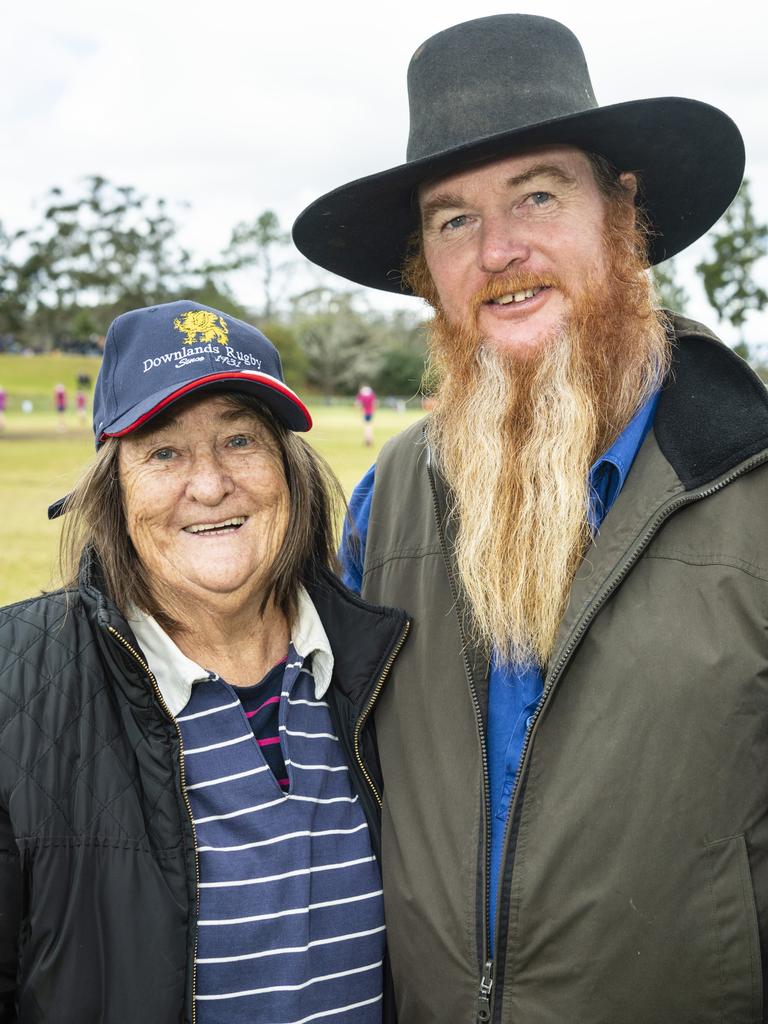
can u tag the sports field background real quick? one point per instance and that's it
(39, 463)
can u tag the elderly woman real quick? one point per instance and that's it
(189, 790)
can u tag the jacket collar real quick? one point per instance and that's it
(363, 636)
(176, 673)
(359, 638)
(713, 410)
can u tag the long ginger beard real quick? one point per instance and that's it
(515, 437)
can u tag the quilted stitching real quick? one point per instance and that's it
(67, 766)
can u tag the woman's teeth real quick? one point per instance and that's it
(207, 527)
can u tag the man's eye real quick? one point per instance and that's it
(540, 198)
(455, 222)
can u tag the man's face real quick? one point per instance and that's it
(525, 235)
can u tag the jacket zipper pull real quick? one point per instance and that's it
(484, 995)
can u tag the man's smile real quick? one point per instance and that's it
(519, 304)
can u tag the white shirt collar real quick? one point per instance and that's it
(175, 672)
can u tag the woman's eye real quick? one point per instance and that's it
(163, 454)
(240, 441)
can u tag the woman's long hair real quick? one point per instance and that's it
(95, 522)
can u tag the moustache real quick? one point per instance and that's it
(509, 283)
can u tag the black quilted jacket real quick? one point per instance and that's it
(97, 857)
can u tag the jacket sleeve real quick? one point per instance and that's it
(10, 913)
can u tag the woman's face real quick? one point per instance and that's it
(206, 502)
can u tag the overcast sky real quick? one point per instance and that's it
(237, 105)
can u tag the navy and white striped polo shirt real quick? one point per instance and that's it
(290, 922)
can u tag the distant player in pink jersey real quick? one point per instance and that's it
(60, 403)
(366, 399)
(81, 403)
(3, 402)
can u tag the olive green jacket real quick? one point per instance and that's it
(634, 887)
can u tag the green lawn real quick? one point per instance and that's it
(34, 377)
(39, 463)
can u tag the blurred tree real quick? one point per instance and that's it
(216, 293)
(670, 294)
(338, 340)
(108, 249)
(346, 343)
(400, 373)
(738, 243)
(253, 243)
(12, 302)
(291, 354)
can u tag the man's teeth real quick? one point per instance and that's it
(203, 527)
(529, 293)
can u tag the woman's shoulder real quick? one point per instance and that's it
(35, 622)
(39, 606)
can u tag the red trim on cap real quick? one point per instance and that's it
(262, 378)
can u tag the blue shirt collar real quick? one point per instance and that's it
(608, 474)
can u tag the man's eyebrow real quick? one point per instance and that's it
(541, 171)
(439, 202)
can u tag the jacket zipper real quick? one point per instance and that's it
(182, 778)
(369, 707)
(594, 608)
(485, 985)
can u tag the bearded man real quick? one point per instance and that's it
(574, 742)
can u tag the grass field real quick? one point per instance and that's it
(39, 463)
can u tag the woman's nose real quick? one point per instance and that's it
(209, 481)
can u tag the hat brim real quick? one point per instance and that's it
(278, 397)
(689, 157)
(283, 402)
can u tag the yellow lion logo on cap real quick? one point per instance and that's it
(199, 326)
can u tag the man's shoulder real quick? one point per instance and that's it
(684, 327)
(410, 441)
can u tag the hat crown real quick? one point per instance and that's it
(493, 75)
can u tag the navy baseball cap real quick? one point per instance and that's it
(157, 355)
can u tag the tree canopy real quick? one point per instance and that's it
(738, 243)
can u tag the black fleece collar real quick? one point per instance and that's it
(362, 635)
(713, 409)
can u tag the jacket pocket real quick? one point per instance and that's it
(736, 931)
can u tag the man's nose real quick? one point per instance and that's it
(502, 243)
(209, 480)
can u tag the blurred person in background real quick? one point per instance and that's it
(366, 399)
(81, 405)
(60, 404)
(189, 788)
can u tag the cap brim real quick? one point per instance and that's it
(277, 396)
(689, 156)
(59, 507)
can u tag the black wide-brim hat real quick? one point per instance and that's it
(503, 85)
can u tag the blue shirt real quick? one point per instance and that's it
(514, 691)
